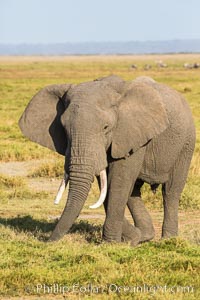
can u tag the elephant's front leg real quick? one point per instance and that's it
(122, 175)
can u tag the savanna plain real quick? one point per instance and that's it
(80, 265)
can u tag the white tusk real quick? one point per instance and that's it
(103, 179)
(61, 188)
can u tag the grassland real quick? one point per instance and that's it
(29, 177)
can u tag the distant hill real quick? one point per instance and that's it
(88, 48)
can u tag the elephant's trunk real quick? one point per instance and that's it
(87, 159)
(81, 177)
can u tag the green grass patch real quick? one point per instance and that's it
(30, 266)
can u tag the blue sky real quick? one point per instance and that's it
(51, 21)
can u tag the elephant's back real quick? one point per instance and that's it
(178, 111)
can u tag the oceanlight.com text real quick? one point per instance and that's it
(111, 288)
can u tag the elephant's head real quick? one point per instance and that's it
(84, 121)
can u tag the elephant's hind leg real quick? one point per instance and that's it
(172, 190)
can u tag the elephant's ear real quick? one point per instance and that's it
(40, 121)
(141, 117)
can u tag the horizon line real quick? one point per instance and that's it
(101, 42)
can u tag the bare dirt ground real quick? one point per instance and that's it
(189, 221)
(24, 168)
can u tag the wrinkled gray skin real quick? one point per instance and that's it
(141, 131)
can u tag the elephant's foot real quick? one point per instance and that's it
(130, 233)
(142, 218)
(126, 232)
(147, 233)
(168, 233)
(147, 230)
(147, 236)
(116, 232)
(112, 231)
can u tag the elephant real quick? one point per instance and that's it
(126, 133)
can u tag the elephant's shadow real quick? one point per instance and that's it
(41, 228)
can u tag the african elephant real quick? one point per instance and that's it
(125, 133)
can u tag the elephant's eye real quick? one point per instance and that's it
(106, 127)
